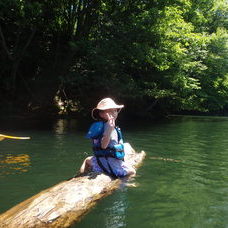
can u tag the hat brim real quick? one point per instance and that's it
(111, 107)
(95, 114)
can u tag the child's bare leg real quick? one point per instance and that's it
(86, 165)
(131, 172)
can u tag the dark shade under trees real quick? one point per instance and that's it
(156, 57)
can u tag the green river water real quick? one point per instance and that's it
(183, 181)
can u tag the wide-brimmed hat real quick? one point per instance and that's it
(104, 104)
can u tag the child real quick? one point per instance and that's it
(108, 146)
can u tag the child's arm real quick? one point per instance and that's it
(108, 131)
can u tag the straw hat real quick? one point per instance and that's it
(104, 104)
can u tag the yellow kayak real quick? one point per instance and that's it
(11, 137)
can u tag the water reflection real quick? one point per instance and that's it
(10, 164)
(111, 212)
(116, 213)
(63, 126)
(60, 126)
(183, 181)
(165, 159)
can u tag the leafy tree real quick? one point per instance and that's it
(166, 56)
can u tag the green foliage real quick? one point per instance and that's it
(166, 55)
(214, 80)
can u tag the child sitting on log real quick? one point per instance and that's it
(107, 142)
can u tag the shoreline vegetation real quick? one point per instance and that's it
(158, 58)
(124, 116)
(22, 121)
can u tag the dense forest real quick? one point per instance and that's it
(156, 57)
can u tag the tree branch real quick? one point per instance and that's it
(28, 42)
(4, 44)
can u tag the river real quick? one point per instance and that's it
(183, 181)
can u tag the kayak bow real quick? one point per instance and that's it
(2, 137)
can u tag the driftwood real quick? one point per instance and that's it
(65, 203)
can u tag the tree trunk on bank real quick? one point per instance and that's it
(65, 203)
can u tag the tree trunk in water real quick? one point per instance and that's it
(65, 203)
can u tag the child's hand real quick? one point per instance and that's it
(107, 134)
(111, 120)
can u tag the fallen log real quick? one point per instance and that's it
(65, 203)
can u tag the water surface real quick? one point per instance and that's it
(183, 181)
